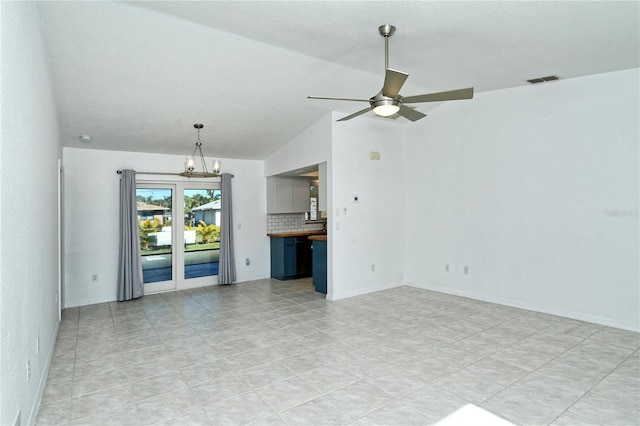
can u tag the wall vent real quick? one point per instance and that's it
(543, 79)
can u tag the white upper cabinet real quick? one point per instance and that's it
(287, 194)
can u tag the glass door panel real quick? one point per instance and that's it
(155, 207)
(202, 215)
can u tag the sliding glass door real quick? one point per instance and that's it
(155, 205)
(179, 250)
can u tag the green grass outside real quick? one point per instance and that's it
(190, 247)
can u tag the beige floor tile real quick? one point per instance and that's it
(396, 382)
(599, 408)
(57, 413)
(435, 402)
(239, 410)
(329, 378)
(469, 386)
(521, 409)
(272, 352)
(320, 411)
(167, 406)
(98, 402)
(123, 416)
(359, 398)
(286, 394)
(396, 413)
(219, 389)
(553, 391)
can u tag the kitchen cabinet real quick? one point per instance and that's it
(287, 194)
(320, 265)
(290, 257)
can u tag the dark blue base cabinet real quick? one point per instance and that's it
(320, 266)
(290, 257)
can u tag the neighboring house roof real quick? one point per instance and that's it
(148, 207)
(214, 205)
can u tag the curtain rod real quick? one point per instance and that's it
(157, 173)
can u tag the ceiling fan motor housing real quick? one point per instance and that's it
(384, 105)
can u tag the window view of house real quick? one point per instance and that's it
(154, 221)
(201, 232)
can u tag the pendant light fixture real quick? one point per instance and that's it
(190, 162)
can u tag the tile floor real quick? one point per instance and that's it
(275, 353)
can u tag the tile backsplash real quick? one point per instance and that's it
(290, 222)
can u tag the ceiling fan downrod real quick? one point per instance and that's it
(386, 31)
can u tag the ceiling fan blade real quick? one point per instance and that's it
(410, 114)
(393, 81)
(338, 99)
(451, 95)
(355, 114)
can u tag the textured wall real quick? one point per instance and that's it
(28, 218)
(536, 190)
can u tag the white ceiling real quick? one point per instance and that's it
(137, 75)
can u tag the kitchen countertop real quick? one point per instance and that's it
(322, 237)
(297, 234)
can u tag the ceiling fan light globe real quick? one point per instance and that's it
(386, 110)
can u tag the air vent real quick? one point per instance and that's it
(543, 79)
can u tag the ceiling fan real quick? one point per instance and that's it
(388, 101)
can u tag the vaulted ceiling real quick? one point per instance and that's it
(137, 75)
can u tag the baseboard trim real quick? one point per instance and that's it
(43, 378)
(580, 316)
(360, 291)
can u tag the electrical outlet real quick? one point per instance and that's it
(94, 277)
(446, 267)
(247, 261)
(466, 270)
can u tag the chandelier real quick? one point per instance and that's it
(190, 162)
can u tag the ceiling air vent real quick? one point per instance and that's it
(543, 79)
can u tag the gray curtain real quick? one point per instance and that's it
(227, 272)
(130, 283)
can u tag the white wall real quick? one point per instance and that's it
(28, 216)
(523, 186)
(313, 146)
(370, 231)
(91, 217)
